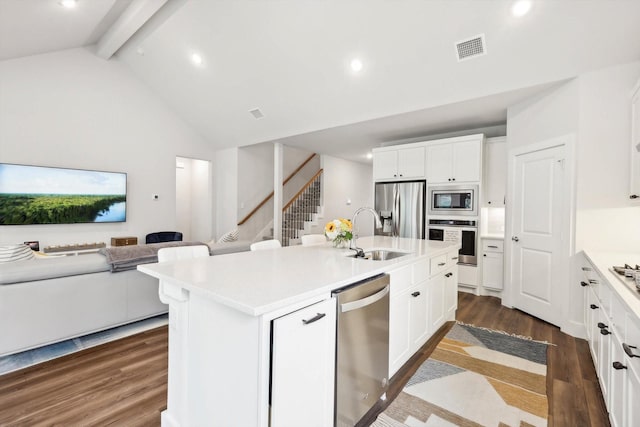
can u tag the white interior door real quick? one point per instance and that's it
(537, 220)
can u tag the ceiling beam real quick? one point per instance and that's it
(131, 20)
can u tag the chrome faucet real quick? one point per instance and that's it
(353, 245)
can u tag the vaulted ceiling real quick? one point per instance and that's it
(291, 59)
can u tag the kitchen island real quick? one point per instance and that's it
(225, 361)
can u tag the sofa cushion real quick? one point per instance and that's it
(229, 247)
(229, 236)
(51, 267)
(13, 253)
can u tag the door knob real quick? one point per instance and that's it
(515, 239)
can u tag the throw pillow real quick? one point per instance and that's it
(229, 236)
(10, 253)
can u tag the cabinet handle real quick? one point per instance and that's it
(448, 275)
(633, 196)
(401, 175)
(314, 318)
(593, 281)
(453, 179)
(394, 175)
(628, 349)
(455, 257)
(415, 294)
(618, 365)
(605, 331)
(602, 325)
(583, 284)
(440, 264)
(593, 306)
(484, 254)
(586, 268)
(449, 179)
(492, 246)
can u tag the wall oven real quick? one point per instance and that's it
(453, 200)
(461, 231)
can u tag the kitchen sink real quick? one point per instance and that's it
(381, 255)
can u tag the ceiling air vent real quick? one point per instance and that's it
(256, 113)
(471, 48)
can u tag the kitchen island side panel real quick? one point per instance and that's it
(226, 376)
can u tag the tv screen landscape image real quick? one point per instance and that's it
(48, 195)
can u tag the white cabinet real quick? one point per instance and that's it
(436, 302)
(635, 144)
(418, 316)
(451, 292)
(495, 172)
(408, 313)
(303, 360)
(455, 160)
(399, 163)
(613, 333)
(443, 291)
(492, 264)
(423, 296)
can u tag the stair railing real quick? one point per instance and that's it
(266, 199)
(300, 209)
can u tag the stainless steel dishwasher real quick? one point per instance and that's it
(362, 348)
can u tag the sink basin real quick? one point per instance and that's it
(381, 255)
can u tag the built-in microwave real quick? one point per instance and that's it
(453, 200)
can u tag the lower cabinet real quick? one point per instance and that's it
(492, 264)
(613, 333)
(423, 297)
(302, 388)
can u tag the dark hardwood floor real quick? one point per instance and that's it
(124, 383)
(574, 394)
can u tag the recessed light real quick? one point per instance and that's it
(369, 155)
(521, 8)
(196, 58)
(356, 65)
(69, 4)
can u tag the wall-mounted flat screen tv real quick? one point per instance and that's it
(47, 195)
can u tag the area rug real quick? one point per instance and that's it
(475, 377)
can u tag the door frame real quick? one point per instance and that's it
(568, 212)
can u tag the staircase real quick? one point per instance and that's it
(302, 212)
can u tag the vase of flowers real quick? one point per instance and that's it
(339, 231)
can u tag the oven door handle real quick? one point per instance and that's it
(354, 305)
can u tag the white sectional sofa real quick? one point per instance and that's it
(43, 301)
(47, 300)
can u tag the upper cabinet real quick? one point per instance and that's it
(495, 172)
(398, 163)
(455, 160)
(635, 144)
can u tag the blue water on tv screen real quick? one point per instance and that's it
(48, 195)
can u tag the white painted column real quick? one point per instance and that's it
(278, 162)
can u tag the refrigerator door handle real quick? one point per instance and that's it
(396, 210)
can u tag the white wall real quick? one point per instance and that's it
(255, 176)
(73, 109)
(344, 180)
(606, 219)
(226, 191)
(595, 107)
(194, 199)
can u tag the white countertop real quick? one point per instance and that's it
(263, 281)
(603, 261)
(492, 236)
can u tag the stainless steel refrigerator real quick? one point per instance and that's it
(402, 209)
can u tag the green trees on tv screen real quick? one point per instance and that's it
(19, 209)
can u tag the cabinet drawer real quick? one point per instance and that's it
(632, 337)
(492, 246)
(438, 264)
